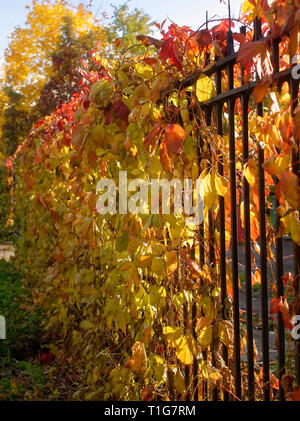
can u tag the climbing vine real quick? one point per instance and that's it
(128, 304)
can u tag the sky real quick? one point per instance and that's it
(182, 12)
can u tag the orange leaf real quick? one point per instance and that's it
(174, 138)
(275, 305)
(152, 135)
(165, 159)
(260, 91)
(288, 185)
(194, 266)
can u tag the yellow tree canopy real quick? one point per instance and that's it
(28, 57)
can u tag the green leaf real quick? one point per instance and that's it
(122, 242)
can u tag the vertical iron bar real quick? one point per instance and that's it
(195, 361)
(219, 110)
(247, 223)
(187, 367)
(263, 249)
(202, 258)
(234, 248)
(279, 262)
(247, 245)
(263, 269)
(234, 237)
(210, 214)
(294, 87)
(212, 262)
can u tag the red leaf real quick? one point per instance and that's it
(241, 38)
(255, 52)
(152, 135)
(46, 358)
(170, 51)
(174, 137)
(109, 119)
(275, 305)
(286, 315)
(286, 278)
(121, 110)
(204, 39)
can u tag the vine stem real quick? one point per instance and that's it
(231, 393)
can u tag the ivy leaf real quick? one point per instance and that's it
(260, 91)
(174, 138)
(138, 360)
(275, 305)
(205, 89)
(186, 350)
(171, 261)
(205, 336)
(204, 39)
(122, 242)
(169, 50)
(121, 110)
(149, 139)
(173, 335)
(165, 159)
(277, 164)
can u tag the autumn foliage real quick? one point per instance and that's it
(119, 290)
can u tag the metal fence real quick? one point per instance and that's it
(215, 105)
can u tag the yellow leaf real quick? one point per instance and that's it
(205, 336)
(204, 88)
(171, 261)
(144, 261)
(251, 172)
(86, 325)
(215, 377)
(290, 224)
(138, 360)
(277, 164)
(221, 185)
(225, 332)
(121, 322)
(173, 335)
(158, 266)
(209, 191)
(295, 227)
(186, 350)
(179, 382)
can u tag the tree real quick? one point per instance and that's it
(17, 121)
(126, 25)
(28, 63)
(41, 69)
(66, 61)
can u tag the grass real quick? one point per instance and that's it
(21, 374)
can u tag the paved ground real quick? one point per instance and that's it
(288, 254)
